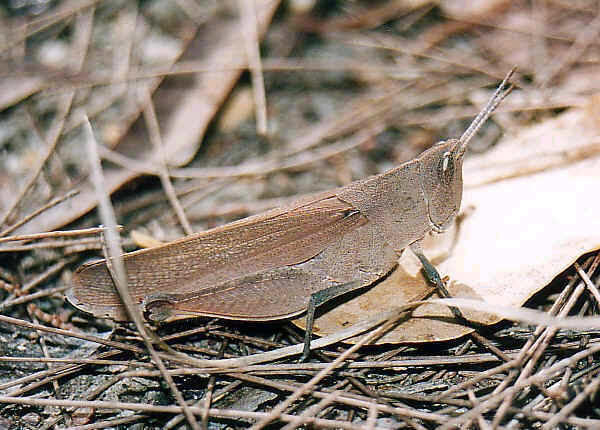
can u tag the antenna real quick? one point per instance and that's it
(499, 95)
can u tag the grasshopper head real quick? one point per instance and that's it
(441, 181)
(441, 165)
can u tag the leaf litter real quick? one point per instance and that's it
(434, 54)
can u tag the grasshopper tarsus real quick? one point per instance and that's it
(434, 278)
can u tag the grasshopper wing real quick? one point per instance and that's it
(278, 238)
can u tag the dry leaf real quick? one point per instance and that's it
(237, 109)
(143, 240)
(531, 212)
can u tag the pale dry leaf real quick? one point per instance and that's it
(143, 240)
(237, 109)
(531, 211)
(185, 129)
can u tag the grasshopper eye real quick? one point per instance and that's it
(446, 168)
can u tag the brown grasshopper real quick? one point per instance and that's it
(292, 259)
